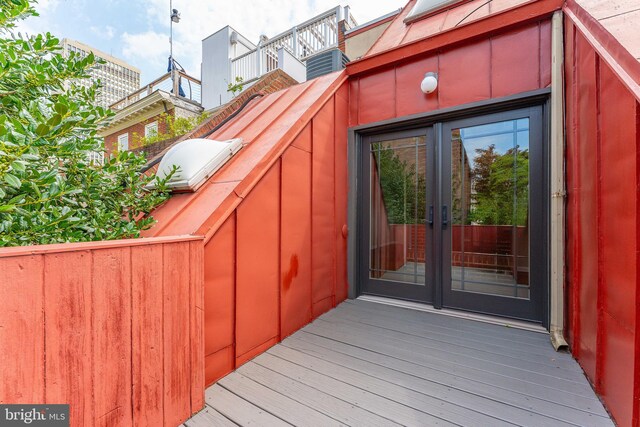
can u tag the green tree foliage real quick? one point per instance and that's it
(501, 186)
(403, 189)
(237, 87)
(175, 127)
(50, 191)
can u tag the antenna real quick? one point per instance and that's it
(175, 17)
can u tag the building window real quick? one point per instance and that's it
(151, 129)
(123, 142)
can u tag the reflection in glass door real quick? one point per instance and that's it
(460, 220)
(493, 242)
(490, 208)
(397, 180)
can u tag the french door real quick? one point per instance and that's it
(454, 214)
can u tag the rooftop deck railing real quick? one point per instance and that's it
(309, 38)
(191, 86)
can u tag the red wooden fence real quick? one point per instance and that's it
(115, 329)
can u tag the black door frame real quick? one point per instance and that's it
(356, 134)
(531, 309)
(398, 290)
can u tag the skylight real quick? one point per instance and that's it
(196, 159)
(426, 7)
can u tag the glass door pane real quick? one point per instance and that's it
(396, 244)
(494, 186)
(490, 209)
(397, 188)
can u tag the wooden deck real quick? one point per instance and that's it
(368, 364)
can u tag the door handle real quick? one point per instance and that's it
(445, 219)
(430, 221)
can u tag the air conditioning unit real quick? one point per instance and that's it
(325, 63)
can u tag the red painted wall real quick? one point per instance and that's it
(505, 64)
(603, 133)
(279, 260)
(114, 329)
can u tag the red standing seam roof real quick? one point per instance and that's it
(267, 126)
(399, 33)
(620, 18)
(611, 29)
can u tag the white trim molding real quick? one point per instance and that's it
(558, 192)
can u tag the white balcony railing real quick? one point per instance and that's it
(191, 87)
(309, 38)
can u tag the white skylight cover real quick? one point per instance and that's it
(425, 7)
(197, 159)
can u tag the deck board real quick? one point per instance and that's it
(397, 403)
(365, 363)
(431, 354)
(455, 405)
(438, 333)
(401, 372)
(209, 417)
(240, 411)
(331, 406)
(283, 407)
(538, 365)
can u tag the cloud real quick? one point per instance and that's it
(146, 45)
(150, 47)
(42, 23)
(107, 32)
(46, 6)
(201, 18)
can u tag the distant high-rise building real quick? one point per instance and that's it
(117, 77)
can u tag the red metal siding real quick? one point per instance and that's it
(295, 258)
(408, 78)
(279, 258)
(618, 216)
(341, 191)
(572, 185)
(505, 63)
(354, 89)
(513, 56)
(602, 217)
(376, 96)
(465, 74)
(258, 268)
(586, 125)
(545, 54)
(323, 210)
(219, 297)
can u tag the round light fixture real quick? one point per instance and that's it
(429, 83)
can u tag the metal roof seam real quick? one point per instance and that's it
(184, 208)
(273, 126)
(287, 108)
(499, 21)
(279, 149)
(616, 56)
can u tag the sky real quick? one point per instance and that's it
(137, 31)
